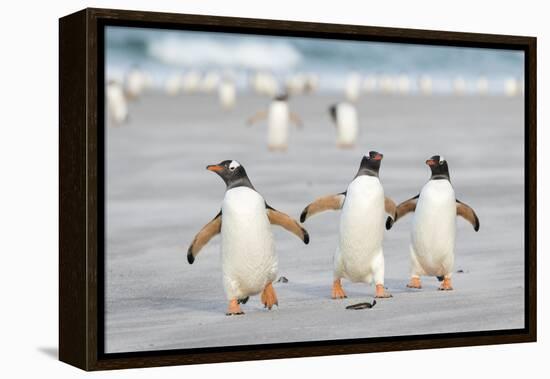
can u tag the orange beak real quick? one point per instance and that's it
(378, 157)
(430, 162)
(214, 168)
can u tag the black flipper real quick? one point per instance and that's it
(440, 278)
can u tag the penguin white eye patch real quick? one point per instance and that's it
(441, 160)
(233, 165)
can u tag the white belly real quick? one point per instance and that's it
(361, 229)
(277, 124)
(248, 252)
(434, 228)
(346, 123)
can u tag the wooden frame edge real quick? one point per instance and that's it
(78, 201)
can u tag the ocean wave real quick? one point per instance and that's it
(204, 53)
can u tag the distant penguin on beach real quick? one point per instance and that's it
(459, 86)
(210, 82)
(482, 85)
(249, 262)
(136, 83)
(434, 225)
(359, 256)
(173, 84)
(353, 87)
(278, 116)
(117, 106)
(191, 81)
(425, 85)
(344, 116)
(227, 94)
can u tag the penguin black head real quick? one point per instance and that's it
(370, 164)
(281, 97)
(439, 167)
(332, 111)
(232, 173)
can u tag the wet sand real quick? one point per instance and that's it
(159, 195)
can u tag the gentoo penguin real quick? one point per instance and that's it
(249, 262)
(482, 85)
(173, 84)
(191, 81)
(512, 87)
(210, 82)
(227, 94)
(278, 115)
(117, 106)
(370, 84)
(387, 84)
(359, 256)
(425, 85)
(344, 116)
(353, 87)
(459, 86)
(136, 83)
(434, 226)
(403, 84)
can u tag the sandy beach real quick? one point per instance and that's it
(159, 195)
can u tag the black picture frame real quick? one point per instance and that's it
(81, 187)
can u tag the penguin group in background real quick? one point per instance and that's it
(278, 116)
(249, 262)
(359, 256)
(117, 106)
(344, 116)
(434, 225)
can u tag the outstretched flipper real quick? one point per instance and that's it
(468, 213)
(401, 210)
(260, 115)
(279, 218)
(390, 207)
(296, 119)
(325, 203)
(206, 233)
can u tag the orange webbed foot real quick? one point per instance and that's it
(414, 283)
(446, 285)
(338, 290)
(381, 292)
(234, 308)
(269, 297)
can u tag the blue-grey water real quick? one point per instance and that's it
(163, 52)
